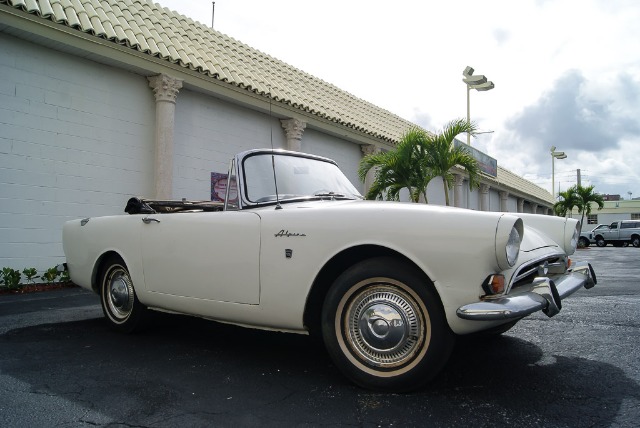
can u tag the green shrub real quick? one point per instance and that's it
(51, 275)
(10, 278)
(31, 274)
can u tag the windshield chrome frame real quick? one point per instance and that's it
(238, 165)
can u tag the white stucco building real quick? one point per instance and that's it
(101, 100)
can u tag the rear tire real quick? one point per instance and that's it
(635, 241)
(120, 304)
(384, 326)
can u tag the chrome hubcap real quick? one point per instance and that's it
(120, 293)
(384, 325)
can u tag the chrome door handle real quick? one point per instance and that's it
(147, 220)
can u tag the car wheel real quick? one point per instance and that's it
(120, 304)
(384, 326)
(600, 242)
(635, 241)
(583, 242)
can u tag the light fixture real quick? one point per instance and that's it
(477, 82)
(555, 155)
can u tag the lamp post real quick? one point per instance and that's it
(555, 155)
(479, 83)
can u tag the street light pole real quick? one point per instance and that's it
(479, 83)
(555, 155)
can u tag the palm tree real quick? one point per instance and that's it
(403, 167)
(585, 196)
(443, 156)
(568, 202)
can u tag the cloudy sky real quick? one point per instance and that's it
(566, 72)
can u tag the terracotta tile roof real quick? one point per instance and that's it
(523, 186)
(160, 32)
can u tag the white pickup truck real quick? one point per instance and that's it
(619, 233)
(588, 237)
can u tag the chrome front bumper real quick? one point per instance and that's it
(546, 295)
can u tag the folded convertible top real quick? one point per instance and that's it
(152, 206)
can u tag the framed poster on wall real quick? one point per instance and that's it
(219, 188)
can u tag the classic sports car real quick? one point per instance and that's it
(387, 285)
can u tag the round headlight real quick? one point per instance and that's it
(509, 234)
(513, 246)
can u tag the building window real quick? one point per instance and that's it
(592, 219)
(635, 216)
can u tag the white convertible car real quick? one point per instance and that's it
(387, 285)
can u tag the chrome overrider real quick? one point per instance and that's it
(546, 295)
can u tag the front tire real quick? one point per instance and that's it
(120, 305)
(600, 242)
(384, 326)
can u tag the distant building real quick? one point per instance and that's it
(615, 210)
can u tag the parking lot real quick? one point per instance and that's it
(61, 365)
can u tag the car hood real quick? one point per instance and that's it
(540, 231)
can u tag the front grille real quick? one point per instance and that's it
(528, 271)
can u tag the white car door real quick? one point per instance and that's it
(211, 256)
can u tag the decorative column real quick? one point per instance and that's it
(534, 208)
(293, 129)
(165, 88)
(520, 205)
(457, 191)
(504, 198)
(369, 149)
(484, 197)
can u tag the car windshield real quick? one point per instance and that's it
(297, 177)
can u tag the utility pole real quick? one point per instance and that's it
(213, 12)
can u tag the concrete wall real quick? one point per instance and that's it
(75, 140)
(346, 154)
(208, 133)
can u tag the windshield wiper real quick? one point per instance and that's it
(333, 195)
(329, 194)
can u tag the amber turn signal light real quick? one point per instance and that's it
(494, 284)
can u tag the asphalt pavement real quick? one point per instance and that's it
(60, 365)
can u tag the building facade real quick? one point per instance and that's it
(105, 100)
